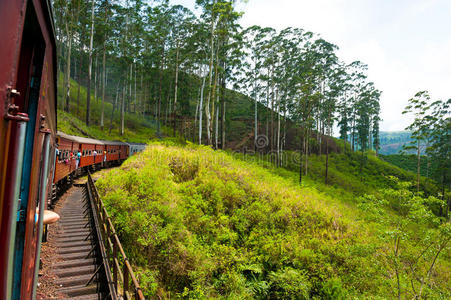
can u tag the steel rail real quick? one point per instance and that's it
(114, 250)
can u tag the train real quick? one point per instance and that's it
(35, 159)
(94, 154)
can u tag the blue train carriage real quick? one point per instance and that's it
(135, 148)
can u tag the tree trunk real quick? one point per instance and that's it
(353, 133)
(327, 162)
(195, 117)
(223, 113)
(88, 93)
(69, 50)
(278, 131)
(200, 109)
(129, 100)
(210, 79)
(79, 82)
(95, 82)
(418, 166)
(307, 151)
(217, 123)
(175, 88)
(214, 94)
(255, 116)
(271, 140)
(301, 150)
(134, 104)
(160, 92)
(102, 111)
(114, 106)
(124, 92)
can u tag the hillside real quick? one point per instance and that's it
(391, 142)
(409, 162)
(143, 127)
(199, 223)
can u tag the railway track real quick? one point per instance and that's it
(87, 261)
(77, 256)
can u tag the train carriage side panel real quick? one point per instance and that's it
(27, 65)
(11, 135)
(45, 130)
(86, 155)
(63, 164)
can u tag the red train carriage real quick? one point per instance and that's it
(65, 159)
(116, 151)
(91, 151)
(27, 131)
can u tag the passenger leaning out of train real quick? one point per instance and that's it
(77, 161)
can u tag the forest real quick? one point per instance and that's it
(163, 62)
(243, 191)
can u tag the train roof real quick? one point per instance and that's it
(84, 140)
(79, 139)
(137, 144)
(114, 143)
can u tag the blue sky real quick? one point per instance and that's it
(406, 43)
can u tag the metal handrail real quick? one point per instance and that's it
(113, 245)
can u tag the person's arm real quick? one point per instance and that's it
(50, 217)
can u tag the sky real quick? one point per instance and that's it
(405, 43)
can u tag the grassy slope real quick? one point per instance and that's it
(200, 223)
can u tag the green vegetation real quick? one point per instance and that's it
(409, 162)
(139, 129)
(204, 224)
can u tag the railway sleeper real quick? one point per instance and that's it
(79, 273)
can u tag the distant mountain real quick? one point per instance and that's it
(392, 141)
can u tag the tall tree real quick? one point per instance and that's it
(419, 107)
(88, 90)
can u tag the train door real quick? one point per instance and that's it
(28, 84)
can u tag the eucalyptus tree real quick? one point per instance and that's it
(439, 123)
(210, 14)
(104, 31)
(229, 57)
(365, 108)
(251, 79)
(66, 16)
(182, 20)
(344, 109)
(328, 68)
(158, 37)
(336, 90)
(310, 80)
(88, 90)
(200, 59)
(418, 106)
